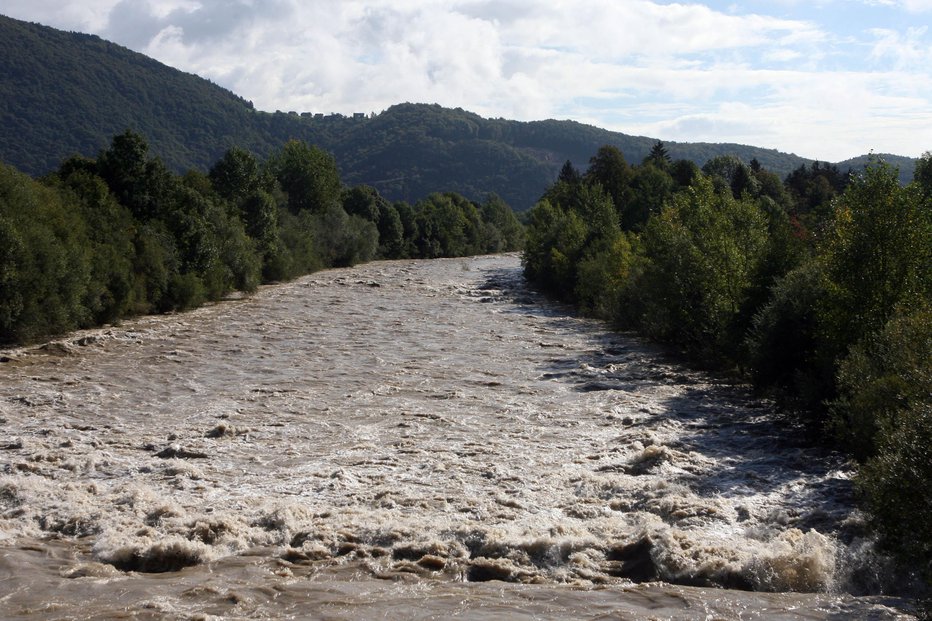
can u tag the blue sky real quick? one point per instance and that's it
(826, 79)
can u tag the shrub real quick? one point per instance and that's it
(898, 487)
(884, 376)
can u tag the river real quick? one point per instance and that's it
(411, 440)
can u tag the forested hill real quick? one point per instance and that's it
(67, 93)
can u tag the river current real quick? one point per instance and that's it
(411, 440)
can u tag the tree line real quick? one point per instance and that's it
(118, 235)
(818, 288)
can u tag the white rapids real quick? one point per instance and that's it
(410, 440)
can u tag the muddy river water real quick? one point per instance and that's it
(410, 440)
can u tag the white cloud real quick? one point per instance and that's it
(832, 119)
(483, 55)
(909, 49)
(678, 71)
(917, 6)
(86, 16)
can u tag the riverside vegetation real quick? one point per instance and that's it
(121, 235)
(818, 289)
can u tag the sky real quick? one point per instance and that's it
(825, 79)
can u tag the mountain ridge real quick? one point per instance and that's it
(67, 93)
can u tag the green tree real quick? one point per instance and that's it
(138, 182)
(363, 201)
(555, 240)
(684, 172)
(923, 174)
(658, 157)
(342, 240)
(391, 233)
(786, 343)
(650, 189)
(448, 225)
(898, 486)
(237, 175)
(729, 172)
(409, 224)
(110, 229)
(505, 233)
(703, 250)
(878, 254)
(812, 189)
(260, 214)
(45, 264)
(569, 174)
(308, 175)
(559, 238)
(609, 169)
(883, 376)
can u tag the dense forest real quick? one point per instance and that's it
(65, 94)
(817, 288)
(120, 234)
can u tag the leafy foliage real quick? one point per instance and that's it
(121, 234)
(702, 252)
(898, 484)
(45, 263)
(834, 321)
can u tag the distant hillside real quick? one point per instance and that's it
(907, 165)
(64, 93)
(67, 93)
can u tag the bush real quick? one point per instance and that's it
(45, 263)
(703, 251)
(884, 376)
(784, 346)
(602, 277)
(342, 240)
(898, 487)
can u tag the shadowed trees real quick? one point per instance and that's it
(720, 264)
(120, 234)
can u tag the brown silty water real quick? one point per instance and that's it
(410, 440)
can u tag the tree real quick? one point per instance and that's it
(110, 230)
(363, 201)
(923, 174)
(813, 187)
(409, 224)
(391, 232)
(308, 175)
(703, 250)
(873, 263)
(879, 261)
(45, 264)
(684, 172)
(878, 253)
(448, 226)
(569, 174)
(236, 175)
(728, 172)
(138, 182)
(898, 486)
(650, 189)
(560, 237)
(555, 240)
(609, 169)
(658, 156)
(507, 233)
(342, 240)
